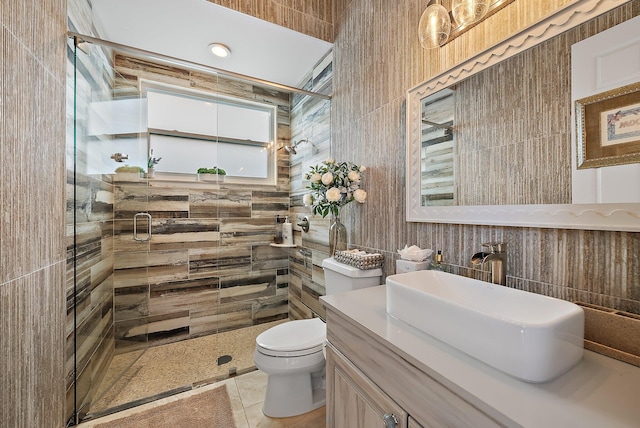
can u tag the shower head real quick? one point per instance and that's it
(291, 148)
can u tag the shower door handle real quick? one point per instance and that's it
(135, 227)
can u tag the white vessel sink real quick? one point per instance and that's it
(532, 337)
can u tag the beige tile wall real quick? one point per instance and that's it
(312, 17)
(32, 177)
(368, 127)
(377, 57)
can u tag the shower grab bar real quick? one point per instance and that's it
(135, 227)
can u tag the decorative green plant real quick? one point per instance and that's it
(214, 170)
(153, 161)
(128, 168)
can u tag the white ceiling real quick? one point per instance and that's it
(184, 28)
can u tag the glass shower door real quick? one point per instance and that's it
(108, 225)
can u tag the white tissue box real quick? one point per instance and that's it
(403, 266)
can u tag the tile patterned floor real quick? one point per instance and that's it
(246, 393)
(176, 367)
(189, 364)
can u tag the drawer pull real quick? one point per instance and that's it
(390, 420)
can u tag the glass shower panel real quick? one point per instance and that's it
(171, 278)
(109, 160)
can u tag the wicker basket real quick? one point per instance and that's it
(360, 261)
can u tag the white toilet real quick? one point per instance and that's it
(292, 353)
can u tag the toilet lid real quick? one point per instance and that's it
(293, 336)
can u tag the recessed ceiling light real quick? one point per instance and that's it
(219, 50)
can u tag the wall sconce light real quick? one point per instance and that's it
(435, 23)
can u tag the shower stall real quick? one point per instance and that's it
(166, 273)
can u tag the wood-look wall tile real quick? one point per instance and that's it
(312, 18)
(32, 348)
(227, 260)
(193, 299)
(140, 333)
(167, 266)
(318, 236)
(271, 308)
(222, 203)
(282, 281)
(311, 293)
(297, 309)
(269, 204)
(223, 223)
(123, 238)
(93, 329)
(130, 302)
(184, 287)
(32, 135)
(184, 234)
(247, 231)
(266, 257)
(222, 317)
(366, 108)
(301, 262)
(247, 286)
(166, 327)
(295, 284)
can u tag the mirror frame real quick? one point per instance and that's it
(619, 217)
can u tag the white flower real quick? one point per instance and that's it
(333, 194)
(354, 175)
(327, 178)
(363, 168)
(307, 199)
(333, 185)
(360, 196)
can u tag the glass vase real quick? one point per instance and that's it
(337, 235)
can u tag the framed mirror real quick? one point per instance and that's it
(498, 183)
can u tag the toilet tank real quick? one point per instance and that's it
(339, 277)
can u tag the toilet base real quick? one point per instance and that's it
(295, 394)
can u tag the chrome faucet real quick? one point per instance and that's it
(497, 257)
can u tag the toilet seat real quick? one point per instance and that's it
(293, 338)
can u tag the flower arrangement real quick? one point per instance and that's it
(333, 185)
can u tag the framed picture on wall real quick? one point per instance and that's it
(608, 128)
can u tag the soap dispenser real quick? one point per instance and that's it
(287, 232)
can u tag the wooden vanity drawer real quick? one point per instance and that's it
(427, 401)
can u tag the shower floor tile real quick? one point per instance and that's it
(175, 367)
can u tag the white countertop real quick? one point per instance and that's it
(599, 392)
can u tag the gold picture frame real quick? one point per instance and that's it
(608, 128)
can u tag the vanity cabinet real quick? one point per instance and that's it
(355, 401)
(368, 379)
